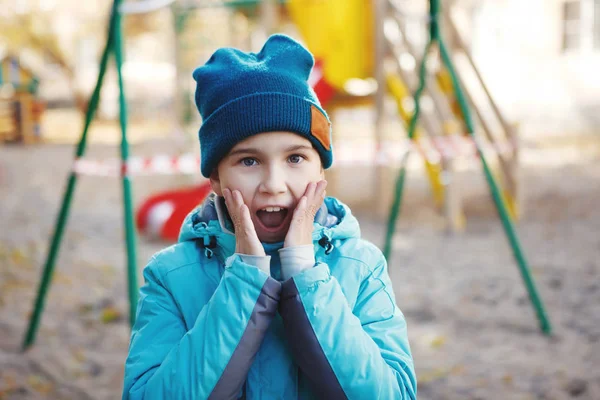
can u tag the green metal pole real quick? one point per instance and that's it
(435, 36)
(495, 191)
(412, 127)
(127, 201)
(66, 204)
(500, 205)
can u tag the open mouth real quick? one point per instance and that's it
(272, 218)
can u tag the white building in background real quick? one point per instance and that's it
(541, 59)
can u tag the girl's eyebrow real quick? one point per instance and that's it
(246, 150)
(298, 147)
(254, 151)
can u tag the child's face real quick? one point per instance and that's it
(270, 170)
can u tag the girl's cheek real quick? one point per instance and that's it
(301, 189)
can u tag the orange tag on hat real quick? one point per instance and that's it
(320, 127)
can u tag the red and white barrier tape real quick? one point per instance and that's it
(155, 165)
(390, 153)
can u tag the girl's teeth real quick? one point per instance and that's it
(272, 209)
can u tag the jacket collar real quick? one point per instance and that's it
(210, 226)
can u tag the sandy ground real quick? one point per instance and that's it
(472, 329)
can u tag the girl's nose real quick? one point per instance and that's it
(273, 182)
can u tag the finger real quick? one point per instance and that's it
(229, 202)
(237, 203)
(243, 211)
(247, 224)
(320, 190)
(236, 195)
(311, 211)
(237, 221)
(251, 237)
(227, 195)
(316, 201)
(245, 219)
(300, 211)
(245, 214)
(310, 190)
(238, 200)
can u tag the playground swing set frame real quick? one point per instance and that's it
(114, 47)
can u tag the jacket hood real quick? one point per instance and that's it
(209, 225)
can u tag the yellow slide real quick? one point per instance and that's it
(338, 32)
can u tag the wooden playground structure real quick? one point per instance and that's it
(20, 107)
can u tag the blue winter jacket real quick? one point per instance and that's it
(212, 327)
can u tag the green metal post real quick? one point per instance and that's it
(66, 203)
(500, 205)
(127, 201)
(412, 128)
(435, 36)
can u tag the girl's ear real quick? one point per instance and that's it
(215, 183)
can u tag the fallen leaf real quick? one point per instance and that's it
(18, 257)
(59, 277)
(10, 383)
(39, 384)
(86, 308)
(438, 341)
(432, 375)
(79, 355)
(110, 314)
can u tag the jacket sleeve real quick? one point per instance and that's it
(209, 360)
(359, 353)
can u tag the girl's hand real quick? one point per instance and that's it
(246, 239)
(301, 227)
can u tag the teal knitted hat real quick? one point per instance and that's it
(241, 94)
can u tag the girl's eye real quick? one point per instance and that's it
(249, 162)
(296, 159)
